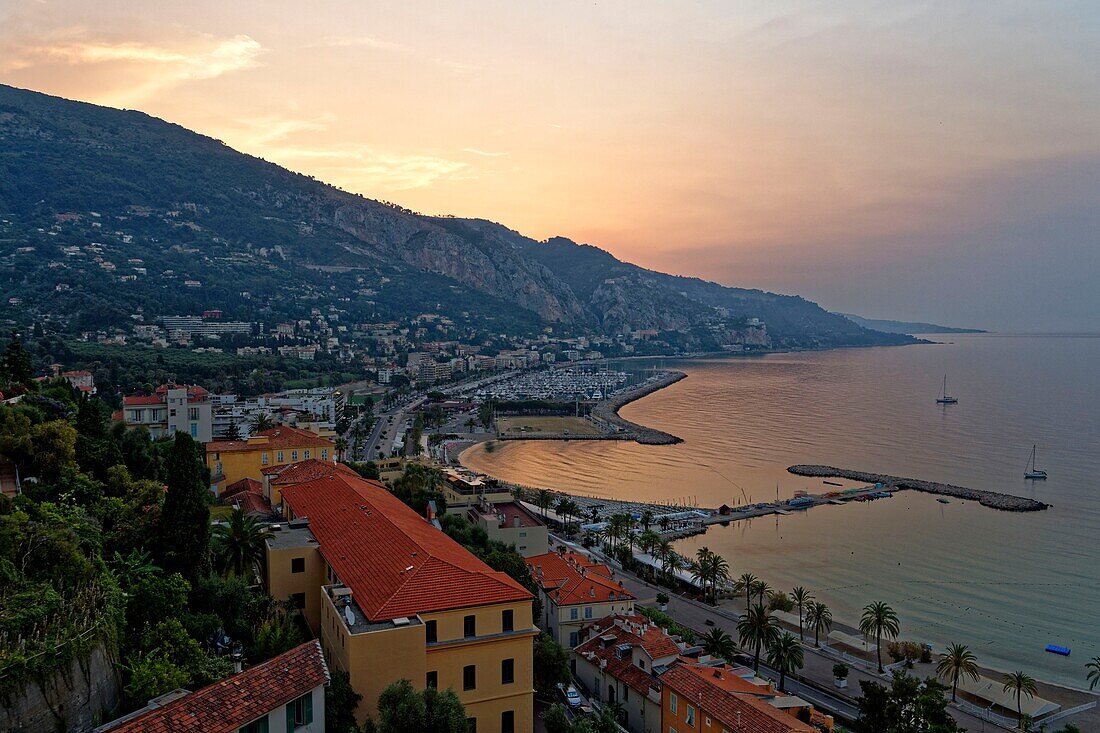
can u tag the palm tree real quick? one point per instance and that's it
(562, 508)
(260, 421)
(649, 541)
(785, 655)
(879, 620)
(699, 572)
(544, 499)
(673, 562)
(958, 661)
(519, 493)
(1020, 684)
(647, 519)
(1094, 672)
(820, 618)
(761, 588)
(703, 564)
(745, 583)
(719, 573)
(718, 643)
(758, 629)
(239, 544)
(341, 446)
(802, 598)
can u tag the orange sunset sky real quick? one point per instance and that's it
(920, 160)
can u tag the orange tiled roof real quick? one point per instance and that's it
(697, 685)
(395, 562)
(611, 632)
(225, 706)
(572, 578)
(302, 471)
(195, 393)
(281, 437)
(245, 484)
(642, 632)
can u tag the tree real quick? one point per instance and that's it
(785, 656)
(758, 629)
(232, 432)
(762, 589)
(341, 445)
(261, 421)
(185, 519)
(879, 620)
(718, 643)
(341, 700)
(1019, 684)
(820, 619)
(544, 499)
(556, 720)
(957, 662)
(16, 365)
(744, 585)
(1094, 672)
(402, 709)
(909, 705)
(802, 598)
(551, 664)
(239, 543)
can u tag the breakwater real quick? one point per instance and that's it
(992, 499)
(607, 411)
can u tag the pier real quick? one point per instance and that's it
(992, 499)
(608, 411)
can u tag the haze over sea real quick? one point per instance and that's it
(1006, 584)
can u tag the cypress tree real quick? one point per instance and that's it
(183, 540)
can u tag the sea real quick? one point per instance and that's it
(1007, 584)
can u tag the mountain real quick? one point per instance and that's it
(107, 215)
(905, 327)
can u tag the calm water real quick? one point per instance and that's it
(1007, 584)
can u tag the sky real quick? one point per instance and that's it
(915, 160)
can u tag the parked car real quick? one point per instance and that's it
(570, 695)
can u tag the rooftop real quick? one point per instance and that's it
(699, 685)
(302, 471)
(275, 438)
(226, 706)
(508, 514)
(571, 578)
(395, 561)
(613, 641)
(195, 393)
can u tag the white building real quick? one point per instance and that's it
(170, 409)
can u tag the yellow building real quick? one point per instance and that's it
(392, 597)
(230, 461)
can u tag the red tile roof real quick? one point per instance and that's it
(281, 437)
(245, 484)
(195, 393)
(225, 706)
(642, 632)
(395, 562)
(572, 578)
(696, 684)
(612, 632)
(302, 471)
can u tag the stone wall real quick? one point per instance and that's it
(77, 701)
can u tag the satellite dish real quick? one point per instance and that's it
(349, 616)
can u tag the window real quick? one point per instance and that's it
(256, 726)
(217, 468)
(508, 721)
(297, 564)
(432, 680)
(299, 712)
(690, 719)
(506, 622)
(279, 456)
(469, 626)
(171, 413)
(192, 413)
(574, 614)
(293, 455)
(641, 663)
(673, 701)
(194, 430)
(572, 638)
(671, 729)
(430, 634)
(263, 458)
(306, 454)
(588, 611)
(471, 725)
(324, 454)
(507, 671)
(298, 600)
(469, 677)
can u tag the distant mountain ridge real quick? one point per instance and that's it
(906, 327)
(213, 227)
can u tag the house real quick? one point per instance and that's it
(511, 523)
(620, 660)
(712, 699)
(171, 408)
(392, 597)
(285, 694)
(247, 495)
(230, 461)
(276, 478)
(575, 591)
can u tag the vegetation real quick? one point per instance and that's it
(551, 664)
(820, 619)
(908, 705)
(879, 620)
(1020, 684)
(958, 662)
(718, 643)
(801, 598)
(340, 704)
(1093, 676)
(785, 656)
(666, 622)
(404, 709)
(758, 629)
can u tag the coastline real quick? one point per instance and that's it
(608, 411)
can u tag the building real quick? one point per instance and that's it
(230, 461)
(713, 699)
(190, 325)
(511, 523)
(282, 695)
(392, 597)
(316, 410)
(277, 478)
(621, 660)
(465, 489)
(171, 408)
(575, 591)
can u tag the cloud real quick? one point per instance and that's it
(369, 169)
(153, 66)
(359, 42)
(483, 153)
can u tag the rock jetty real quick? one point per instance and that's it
(607, 411)
(992, 499)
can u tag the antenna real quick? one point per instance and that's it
(349, 615)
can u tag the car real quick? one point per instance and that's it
(709, 622)
(572, 697)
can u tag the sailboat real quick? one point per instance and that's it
(1031, 471)
(946, 399)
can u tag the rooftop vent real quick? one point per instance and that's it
(403, 621)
